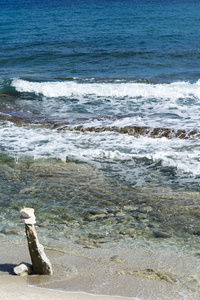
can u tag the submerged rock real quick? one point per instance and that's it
(161, 234)
(116, 259)
(149, 274)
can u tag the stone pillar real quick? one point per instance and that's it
(40, 262)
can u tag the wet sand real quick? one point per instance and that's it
(16, 288)
(81, 273)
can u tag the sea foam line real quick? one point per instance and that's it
(171, 91)
(100, 148)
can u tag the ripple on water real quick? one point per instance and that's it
(77, 202)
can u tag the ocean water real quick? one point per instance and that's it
(99, 120)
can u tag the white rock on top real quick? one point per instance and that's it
(27, 215)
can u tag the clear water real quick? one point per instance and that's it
(74, 75)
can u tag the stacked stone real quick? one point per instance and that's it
(40, 262)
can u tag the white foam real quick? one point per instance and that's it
(171, 91)
(121, 150)
(174, 105)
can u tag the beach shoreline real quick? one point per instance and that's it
(103, 274)
(15, 287)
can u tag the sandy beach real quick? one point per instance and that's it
(16, 288)
(94, 274)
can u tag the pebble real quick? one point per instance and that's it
(12, 230)
(116, 258)
(120, 214)
(146, 209)
(95, 217)
(160, 234)
(130, 207)
(23, 269)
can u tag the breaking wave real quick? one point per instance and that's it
(116, 89)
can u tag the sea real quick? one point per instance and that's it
(99, 121)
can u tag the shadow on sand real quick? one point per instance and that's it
(8, 268)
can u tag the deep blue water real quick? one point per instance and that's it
(154, 40)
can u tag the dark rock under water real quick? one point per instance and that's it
(23, 118)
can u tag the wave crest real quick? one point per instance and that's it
(116, 89)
